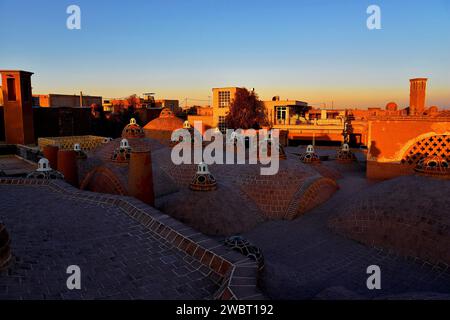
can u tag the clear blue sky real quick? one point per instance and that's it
(312, 50)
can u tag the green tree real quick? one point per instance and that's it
(246, 111)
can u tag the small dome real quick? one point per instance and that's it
(203, 179)
(433, 165)
(80, 153)
(433, 109)
(124, 143)
(132, 130)
(310, 155)
(43, 165)
(345, 147)
(44, 171)
(391, 106)
(162, 127)
(186, 125)
(344, 154)
(122, 154)
(166, 113)
(202, 168)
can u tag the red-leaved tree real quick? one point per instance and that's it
(246, 111)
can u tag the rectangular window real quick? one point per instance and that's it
(222, 124)
(281, 115)
(224, 99)
(25, 85)
(11, 87)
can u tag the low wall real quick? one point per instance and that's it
(385, 170)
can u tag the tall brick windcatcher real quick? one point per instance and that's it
(417, 94)
(18, 111)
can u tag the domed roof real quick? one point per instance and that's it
(165, 122)
(433, 165)
(391, 106)
(132, 130)
(103, 152)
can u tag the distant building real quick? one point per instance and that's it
(173, 105)
(64, 100)
(285, 111)
(148, 102)
(278, 111)
(107, 105)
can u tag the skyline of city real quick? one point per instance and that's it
(232, 153)
(296, 50)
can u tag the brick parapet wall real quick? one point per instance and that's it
(234, 273)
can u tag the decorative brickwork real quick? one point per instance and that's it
(103, 180)
(434, 166)
(132, 130)
(203, 180)
(86, 143)
(244, 246)
(438, 145)
(313, 192)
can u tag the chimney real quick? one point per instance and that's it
(140, 176)
(67, 165)
(51, 153)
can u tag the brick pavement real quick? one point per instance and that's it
(119, 258)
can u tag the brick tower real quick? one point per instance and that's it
(17, 106)
(417, 93)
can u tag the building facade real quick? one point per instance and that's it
(53, 100)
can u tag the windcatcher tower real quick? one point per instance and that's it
(17, 105)
(418, 88)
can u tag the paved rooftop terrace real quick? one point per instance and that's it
(119, 258)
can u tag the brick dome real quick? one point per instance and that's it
(132, 130)
(243, 197)
(433, 165)
(391, 106)
(162, 127)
